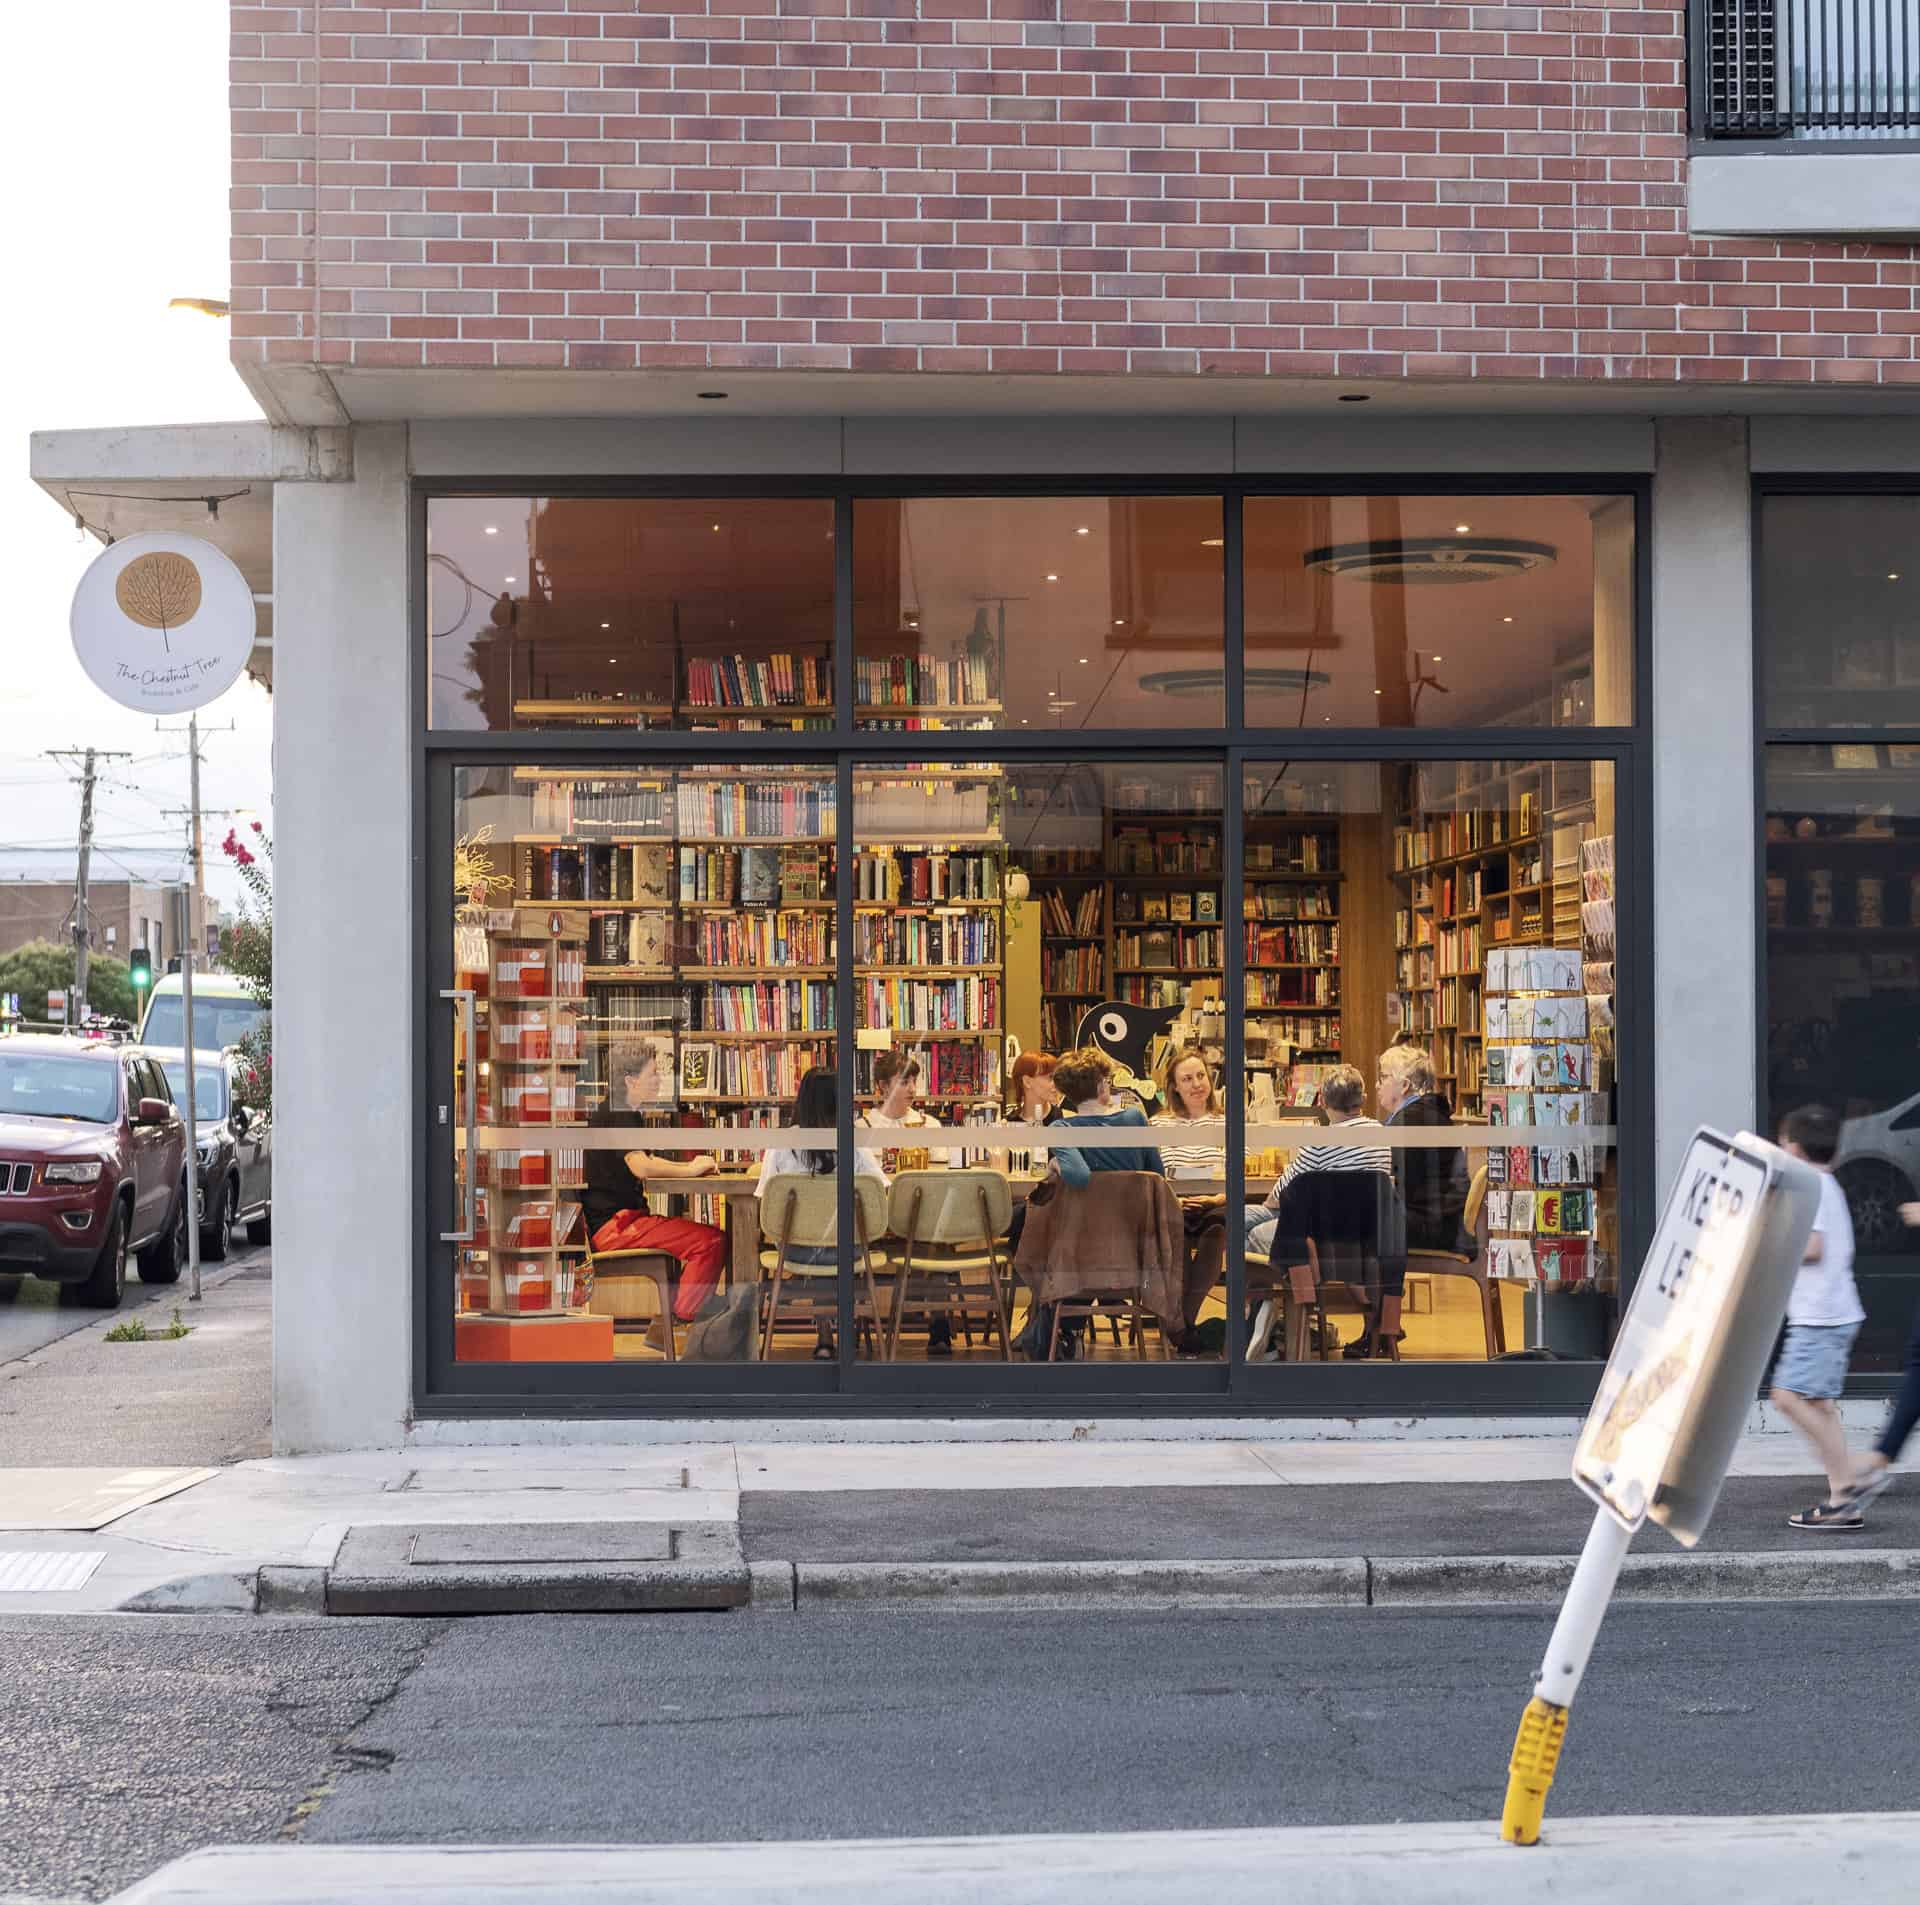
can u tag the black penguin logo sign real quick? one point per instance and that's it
(1125, 1031)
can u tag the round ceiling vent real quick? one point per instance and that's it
(1423, 559)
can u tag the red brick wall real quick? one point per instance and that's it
(1155, 186)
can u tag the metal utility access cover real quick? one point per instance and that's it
(543, 1542)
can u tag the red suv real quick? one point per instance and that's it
(92, 1165)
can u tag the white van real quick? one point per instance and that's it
(224, 1011)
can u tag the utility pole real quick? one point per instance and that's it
(82, 921)
(197, 917)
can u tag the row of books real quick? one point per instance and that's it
(969, 1004)
(1200, 948)
(632, 939)
(762, 939)
(772, 1070)
(922, 879)
(572, 806)
(1288, 902)
(1305, 1031)
(1285, 945)
(1294, 853)
(927, 939)
(1080, 969)
(1165, 850)
(928, 809)
(1457, 948)
(1202, 903)
(759, 809)
(916, 681)
(1082, 915)
(771, 681)
(1312, 985)
(763, 1005)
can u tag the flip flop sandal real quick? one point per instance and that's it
(1828, 1518)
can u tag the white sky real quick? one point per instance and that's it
(114, 152)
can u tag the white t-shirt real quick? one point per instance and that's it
(1824, 1293)
(865, 1164)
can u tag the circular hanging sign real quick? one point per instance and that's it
(163, 623)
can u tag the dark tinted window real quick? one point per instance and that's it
(48, 1085)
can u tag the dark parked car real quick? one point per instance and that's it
(92, 1165)
(234, 1146)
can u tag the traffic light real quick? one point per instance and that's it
(140, 968)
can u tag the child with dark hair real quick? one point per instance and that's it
(1824, 1315)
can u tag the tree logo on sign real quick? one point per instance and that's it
(160, 591)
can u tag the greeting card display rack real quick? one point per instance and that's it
(1542, 1199)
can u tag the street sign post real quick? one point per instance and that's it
(1683, 1374)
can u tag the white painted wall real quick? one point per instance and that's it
(1703, 786)
(344, 1097)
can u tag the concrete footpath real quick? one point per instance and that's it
(800, 1527)
(1864, 1858)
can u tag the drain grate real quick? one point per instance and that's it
(47, 1570)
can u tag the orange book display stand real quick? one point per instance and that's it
(533, 1339)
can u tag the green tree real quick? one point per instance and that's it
(248, 948)
(42, 966)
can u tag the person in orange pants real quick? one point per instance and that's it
(615, 1202)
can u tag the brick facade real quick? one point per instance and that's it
(1342, 190)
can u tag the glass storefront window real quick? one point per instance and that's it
(651, 955)
(1842, 853)
(630, 613)
(1839, 611)
(1427, 945)
(1062, 612)
(1439, 611)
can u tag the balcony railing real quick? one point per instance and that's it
(1811, 69)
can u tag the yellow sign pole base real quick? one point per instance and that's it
(1536, 1752)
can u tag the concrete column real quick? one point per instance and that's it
(1703, 800)
(344, 1097)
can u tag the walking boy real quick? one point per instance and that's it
(1824, 1315)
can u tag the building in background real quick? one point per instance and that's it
(136, 903)
(1337, 506)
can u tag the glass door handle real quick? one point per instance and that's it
(470, 1115)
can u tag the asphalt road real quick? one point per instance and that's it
(127, 1740)
(34, 1313)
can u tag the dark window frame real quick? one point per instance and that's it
(443, 1387)
(1766, 736)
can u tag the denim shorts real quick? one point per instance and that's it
(1813, 1360)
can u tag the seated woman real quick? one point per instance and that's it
(1084, 1079)
(613, 1188)
(1343, 1096)
(896, 1084)
(1193, 1097)
(816, 1106)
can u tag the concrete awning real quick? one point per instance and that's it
(121, 481)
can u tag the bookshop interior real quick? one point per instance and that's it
(1056, 909)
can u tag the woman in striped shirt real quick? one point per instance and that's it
(1343, 1093)
(1193, 1097)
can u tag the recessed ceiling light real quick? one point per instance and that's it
(1893, 575)
(1436, 658)
(1083, 530)
(1506, 618)
(1053, 578)
(606, 624)
(493, 529)
(1211, 542)
(613, 661)
(710, 396)
(1461, 529)
(1120, 622)
(1326, 717)
(716, 529)
(508, 578)
(1376, 691)
(1353, 396)
(1083, 661)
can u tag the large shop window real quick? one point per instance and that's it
(1839, 612)
(627, 613)
(1439, 611)
(1051, 959)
